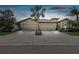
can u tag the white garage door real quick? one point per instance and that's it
(32, 25)
(48, 26)
(29, 27)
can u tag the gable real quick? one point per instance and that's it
(29, 21)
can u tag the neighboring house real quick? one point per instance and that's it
(66, 24)
(30, 24)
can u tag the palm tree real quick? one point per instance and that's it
(37, 12)
(75, 12)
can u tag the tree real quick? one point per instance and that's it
(75, 12)
(37, 12)
(7, 19)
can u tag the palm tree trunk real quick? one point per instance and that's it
(38, 31)
(38, 24)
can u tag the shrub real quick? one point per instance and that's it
(69, 30)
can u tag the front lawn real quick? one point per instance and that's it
(4, 33)
(73, 33)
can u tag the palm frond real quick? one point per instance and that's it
(37, 11)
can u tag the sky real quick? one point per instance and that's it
(22, 12)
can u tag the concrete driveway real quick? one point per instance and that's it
(50, 42)
(47, 38)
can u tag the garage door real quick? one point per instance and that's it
(48, 26)
(32, 25)
(29, 26)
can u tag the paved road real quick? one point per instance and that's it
(39, 49)
(48, 42)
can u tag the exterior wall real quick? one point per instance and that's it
(65, 24)
(32, 25)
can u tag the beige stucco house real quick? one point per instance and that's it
(44, 24)
(30, 24)
(66, 24)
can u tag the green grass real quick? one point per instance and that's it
(4, 33)
(73, 33)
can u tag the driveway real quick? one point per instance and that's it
(47, 38)
(49, 42)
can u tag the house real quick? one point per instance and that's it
(31, 24)
(66, 24)
(45, 24)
